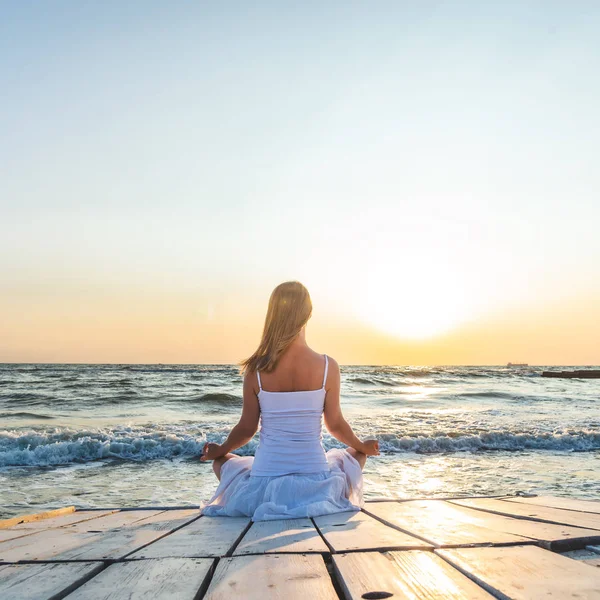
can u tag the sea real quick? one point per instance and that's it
(131, 435)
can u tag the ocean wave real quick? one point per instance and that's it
(581, 441)
(63, 447)
(24, 415)
(373, 381)
(138, 444)
(217, 398)
(24, 399)
(489, 394)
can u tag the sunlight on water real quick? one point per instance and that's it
(131, 435)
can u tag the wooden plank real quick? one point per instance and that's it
(542, 513)
(206, 536)
(526, 572)
(63, 539)
(74, 543)
(44, 581)
(359, 531)
(406, 575)
(117, 543)
(270, 577)
(446, 524)
(44, 545)
(115, 520)
(442, 524)
(5, 523)
(285, 535)
(576, 504)
(78, 516)
(9, 534)
(163, 579)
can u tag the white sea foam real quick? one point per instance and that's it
(442, 429)
(61, 447)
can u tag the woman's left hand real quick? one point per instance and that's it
(211, 451)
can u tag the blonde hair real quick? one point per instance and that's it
(289, 310)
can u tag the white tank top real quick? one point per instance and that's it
(290, 432)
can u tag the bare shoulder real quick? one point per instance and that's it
(333, 373)
(333, 364)
(251, 381)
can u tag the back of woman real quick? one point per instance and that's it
(289, 388)
(291, 410)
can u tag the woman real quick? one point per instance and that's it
(290, 387)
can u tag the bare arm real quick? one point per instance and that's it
(246, 427)
(334, 419)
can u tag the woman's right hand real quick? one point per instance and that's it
(370, 447)
(211, 452)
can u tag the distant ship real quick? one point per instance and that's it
(517, 365)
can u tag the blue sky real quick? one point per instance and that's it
(442, 155)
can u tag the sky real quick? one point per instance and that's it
(429, 170)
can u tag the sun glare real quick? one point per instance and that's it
(410, 317)
(420, 309)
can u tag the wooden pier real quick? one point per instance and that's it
(458, 548)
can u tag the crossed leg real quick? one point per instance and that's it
(359, 456)
(219, 462)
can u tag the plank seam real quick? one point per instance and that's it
(337, 581)
(523, 518)
(520, 500)
(206, 581)
(237, 542)
(81, 581)
(331, 548)
(162, 537)
(482, 584)
(394, 526)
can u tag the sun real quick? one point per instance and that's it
(421, 307)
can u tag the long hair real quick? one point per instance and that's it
(289, 310)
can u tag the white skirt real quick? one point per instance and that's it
(240, 494)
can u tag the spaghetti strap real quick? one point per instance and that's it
(259, 384)
(326, 367)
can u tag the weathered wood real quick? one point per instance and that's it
(446, 524)
(285, 535)
(408, 575)
(13, 521)
(115, 520)
(270, 577)
(44, 581)
(65, 538)
(359, 531)
(9, 534)
(74, 543)
(206, 536)
(44, 545)
(61, 521)
(116, 544)
(442, 524)
(163, 579)
(541, 513)
(575, 504)
(526, 572)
